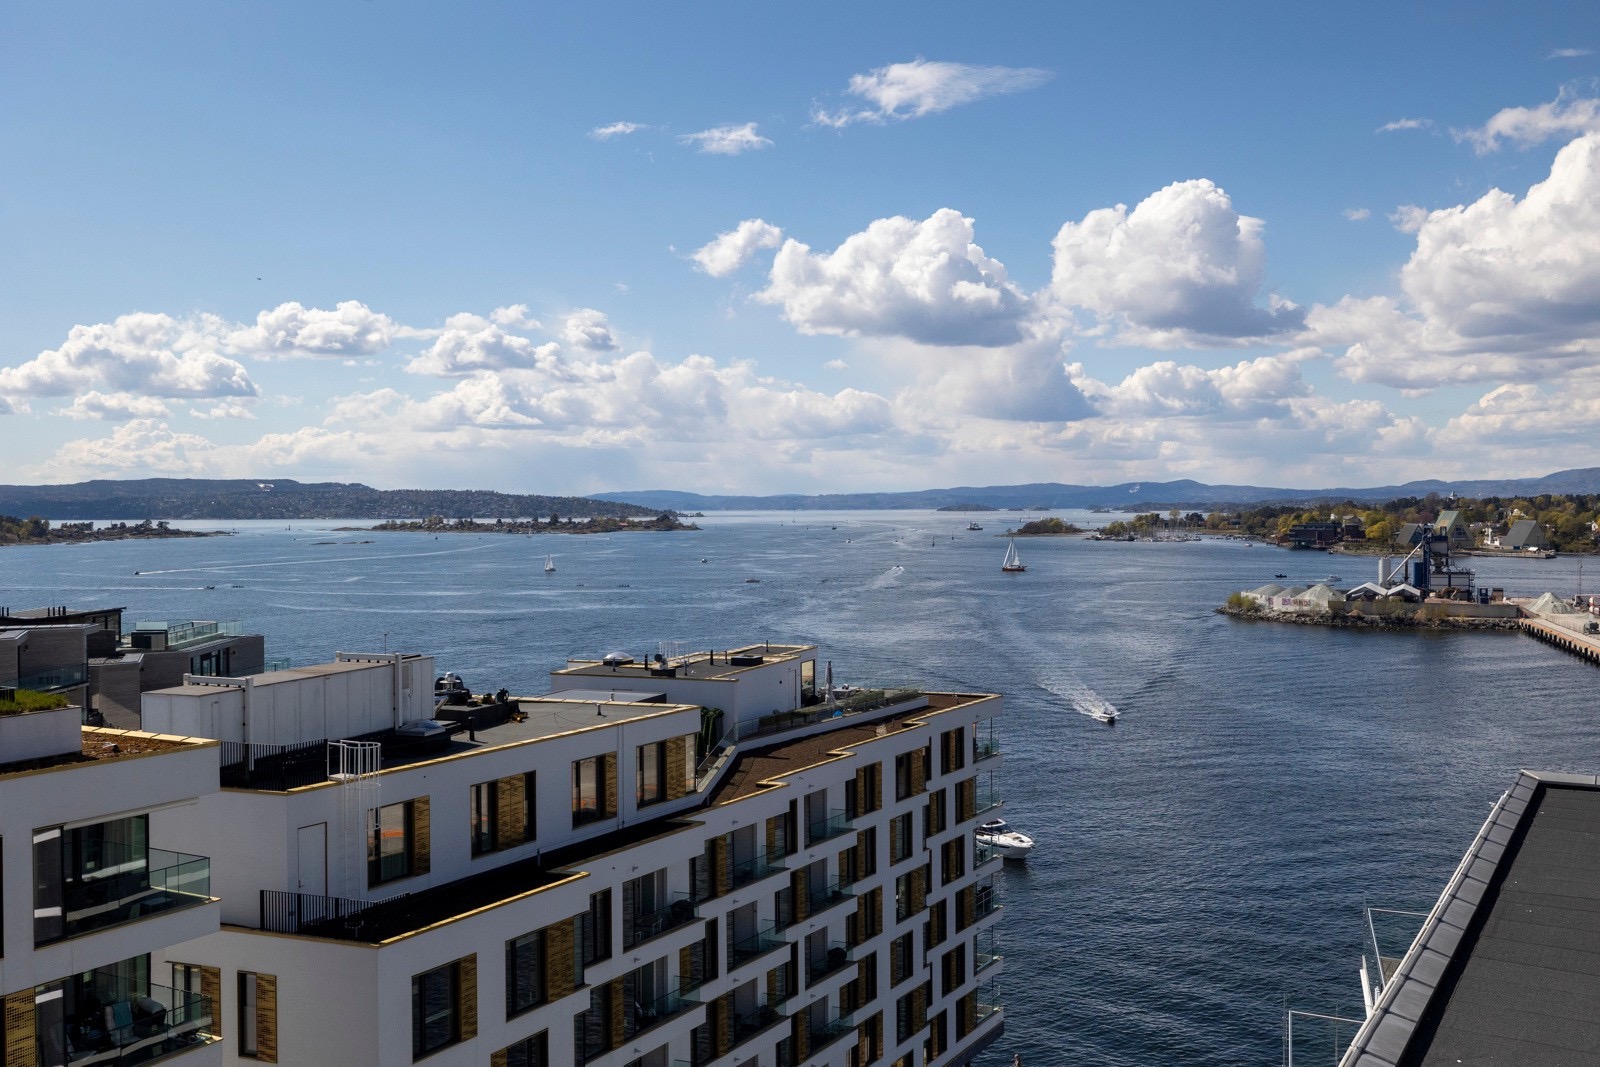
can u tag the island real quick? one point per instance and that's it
(1051, 527)
(36, 531)
(437, 524)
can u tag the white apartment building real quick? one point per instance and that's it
(689, 861)
(92, 895)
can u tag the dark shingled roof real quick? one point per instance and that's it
(1507, 968)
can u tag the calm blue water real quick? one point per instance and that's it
(1201, 865)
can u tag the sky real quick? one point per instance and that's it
(752, 248)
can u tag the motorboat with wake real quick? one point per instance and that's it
(1010, 844)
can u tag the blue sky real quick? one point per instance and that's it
(483, 244)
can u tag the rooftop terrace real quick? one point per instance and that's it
(712, 665)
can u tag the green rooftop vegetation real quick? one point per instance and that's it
(27, 700)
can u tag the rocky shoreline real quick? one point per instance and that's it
(1370, 622)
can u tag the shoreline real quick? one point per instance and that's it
(1370, 622)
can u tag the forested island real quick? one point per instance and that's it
(438, 524)
(36, 531)
(1051, 527)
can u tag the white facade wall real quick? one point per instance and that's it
(746, 695)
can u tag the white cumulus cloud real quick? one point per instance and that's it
(925, 281)
(1405, 124)
(1357, 214)
(729, 251)
(1567, 114)
(616, 129)
(514, 317)
(140, 354)
(114, 407)
(923, 87)
(727, 140)
(589, 329)
(291, 329)
(143, 445)
(1181, 267)
(470, 344)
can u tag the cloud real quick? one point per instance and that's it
(1249, 389)
(587, 328)
(140, 354)
(1405, 124)
(1182, 267)
(114, 407)
(140, 445)
(1357, 214)
(1408, 218)
(926, 281)
(1495, 289)
(727, 140)
(836, 364)
(469, 344)
(514, 317)
(291, 329)
(225, 410)
(1567, 114)
(616, 129)
(1569, 53)
(729, 251)
(911, 90)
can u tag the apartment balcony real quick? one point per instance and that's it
(104, 1019)
(982, 961)
(165, 882)
(837, 824)
(987, 800)
(985, 749)
(754, 869)
(651, 1014)
(753, 1023)
(163, 636)
(822, 1036)
(678, 912)
(836, 958)
(983, 854)
(765, 940)
(52, 681)
(985, 900)
(831, 895)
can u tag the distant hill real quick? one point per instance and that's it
(1140, 495)
(283, 498)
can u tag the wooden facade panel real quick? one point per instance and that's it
(267, 1018)
(676, 786)
(800, 891)
(721, 870)
(511, 814)
(498, 1059)
(20, 1045)
(421, 836)
(608, 771)
(619, 1007)
(560, 958)
(211, 989)
(467, 996)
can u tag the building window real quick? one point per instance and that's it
(88, 877)
(933, 814)
(524, 973)
(258, 1016)
(485, 814)
(389, 843)
(651, 784)
(899, 837)
(434, 1022)
(867, 848)
(529, 1052)
(589, 800)
(902, 775)
(900, 960)
(597, 928)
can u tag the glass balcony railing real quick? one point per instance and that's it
(52, 681)
(837, 824)
(756, 1021)
(982, 961)
(166, 881)
(757, 944)
(655, 1012)
(985, 900)
(828, 896)
(755, 868)
(982, 854)
(987, 800)
(985, 749)
(676, 912)
(834, 959)
(100, 1018)
(831, 1031)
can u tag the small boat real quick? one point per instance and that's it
(549, 564)
(973, 526)
(1330, 579)
(1013, 562)
(1105, 713)
(998, 835)
(752, 581)
(1280, 576)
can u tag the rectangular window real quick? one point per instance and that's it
(587, 804)
(902, 775)
(651, 773)
(389, 841)
(247, 1013)
(954, 860)
(524, 973)
(900, 958)
(871, 788)
(867, 847)
(257, 1001)
(484, 815)
(530, 1052)
(933, 814)
(88, 877)
(954, 968)
(953, 754)
(597, 928)
(899, 837)
(434, 1022)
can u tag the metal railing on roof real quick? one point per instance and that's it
(868, 700)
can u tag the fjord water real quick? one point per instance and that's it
(1201, 865)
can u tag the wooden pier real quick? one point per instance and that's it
(1586, 646)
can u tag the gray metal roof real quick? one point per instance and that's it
(1506, 969)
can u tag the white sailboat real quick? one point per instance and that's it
(549, 564)
(1013, 562)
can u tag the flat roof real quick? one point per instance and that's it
(289, 674)
(543, 719)
(610, 696)
(707, 665)
(100, 744)
(1507, 967)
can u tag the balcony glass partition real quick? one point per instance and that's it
(117, 1015)
(87, 878)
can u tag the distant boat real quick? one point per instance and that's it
(1330, 579)
(1013, 562)
(549, 564)
(973, 526)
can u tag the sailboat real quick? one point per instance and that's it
(1013, 562)
(549, 564)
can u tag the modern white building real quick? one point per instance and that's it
(692, 860)
(100, 913)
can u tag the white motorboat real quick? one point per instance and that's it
(1106, 714)
(998, 835)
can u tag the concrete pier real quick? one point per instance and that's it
(1570, 639)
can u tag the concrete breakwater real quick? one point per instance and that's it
(1416, 620)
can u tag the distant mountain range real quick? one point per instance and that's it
(1138, 495)
(283, 498)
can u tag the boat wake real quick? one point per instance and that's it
(887, 578)
(1084, 701)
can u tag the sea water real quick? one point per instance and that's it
(1201, 866)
